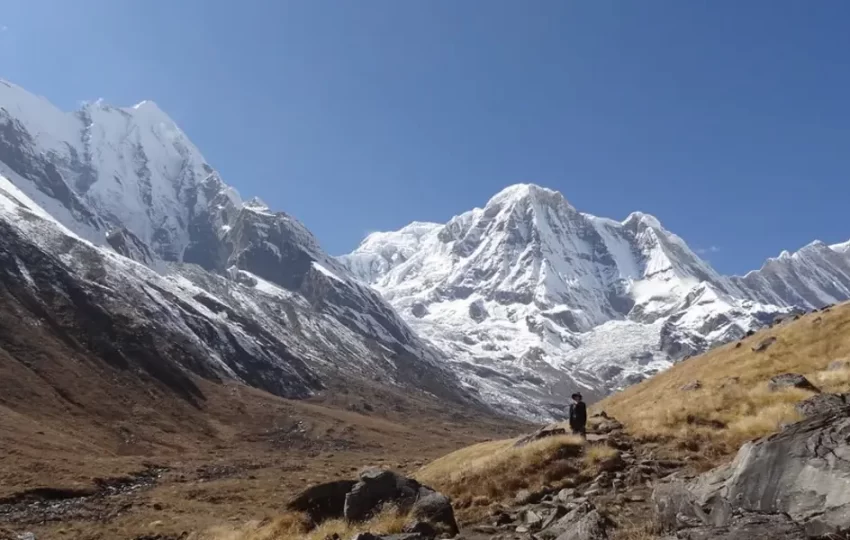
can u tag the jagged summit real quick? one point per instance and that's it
(645, 219)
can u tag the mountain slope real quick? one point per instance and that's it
(123, 216)
(533, 298)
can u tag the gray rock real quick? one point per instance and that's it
(558, 512)
(533, 519)
(764, 344)
(435, 509)
(693, 385)
(374, 488)
(838, 365)
(823, 404)
(592, 526)
(790, 380)
(566, 494)
(803, 471)
(748, 526)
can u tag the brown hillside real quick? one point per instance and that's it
(92, 450)
(733, 403)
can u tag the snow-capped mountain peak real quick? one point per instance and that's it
(528, 288)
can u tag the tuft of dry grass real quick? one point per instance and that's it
(734, 404)
(642, 530)
(295, 526)
(487, 473)
(595, 454)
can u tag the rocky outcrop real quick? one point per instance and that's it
(801, 473)
(823, 404)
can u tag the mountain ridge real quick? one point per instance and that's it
(513, 305)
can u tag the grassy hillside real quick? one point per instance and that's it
(733, 404)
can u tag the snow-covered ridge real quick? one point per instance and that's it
(122, 194)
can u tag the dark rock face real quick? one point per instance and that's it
(477, 311)
(323, 501)
(18, 152)
(128, 244)
(375, 488)
(802, 473)
(435, 509)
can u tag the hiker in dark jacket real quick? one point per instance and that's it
(578, 415)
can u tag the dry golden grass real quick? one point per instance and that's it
(594, 454)
(484, 474)
(645, 530)
(734, 405)
(294, 526)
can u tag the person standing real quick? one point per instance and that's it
(578, 416)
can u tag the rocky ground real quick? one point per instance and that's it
(792, 485)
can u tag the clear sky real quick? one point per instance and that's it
(728, 120)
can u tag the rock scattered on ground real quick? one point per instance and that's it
(764, 344)
(790, 380)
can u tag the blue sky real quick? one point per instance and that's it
(729, 121)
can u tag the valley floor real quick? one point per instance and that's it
(247, 455)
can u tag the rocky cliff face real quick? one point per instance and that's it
(113, 218)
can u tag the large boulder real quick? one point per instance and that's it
(802, 472)
(358, 500)
(436, 510)
(323, 501)
(376, 488)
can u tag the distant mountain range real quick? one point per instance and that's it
(113, 214)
